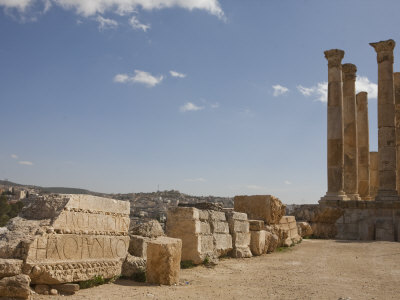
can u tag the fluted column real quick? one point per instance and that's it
(350, 132)
(335, 126)
(396, 77)
(386, 122)
(363, 145)
(374, 174)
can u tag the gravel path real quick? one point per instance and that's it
(315, 269)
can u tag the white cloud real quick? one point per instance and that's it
(177, 74)
(364, 85)
(255, 187)
(287, 182)
(105, 23)
(320, 91)
(25, 162)
(93, 7)
(200, 179)
(135, 23)
(14, 156)
(89, 8)
(279, 90)
(139, 77)
(189, 106)
(20, 5)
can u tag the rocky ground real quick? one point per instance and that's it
(315, 269)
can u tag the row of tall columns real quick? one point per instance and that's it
(353, 172)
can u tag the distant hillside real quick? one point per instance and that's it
(64, 190)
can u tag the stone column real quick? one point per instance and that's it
(396, 77)
(335, 126)
(350, 144)
(363, 145)
(386, 122)
(374, 174)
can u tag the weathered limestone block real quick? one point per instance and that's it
(138, 246)
(222, 243)
(256, 225)
(133, 265)
(196, 235)
(240, 232)
(150, 229)
(163, 261)
(10, 267)
(260, 207)
(257, 243)
(80, 237)
(271, 242)
(288, 227)
(304, 229)
(15, 287)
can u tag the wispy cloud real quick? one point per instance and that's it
(140, 77)
(200, 179)
(255, 187)
(177, 74)
(189, 106)
(279, 90)
(137, 25)
(90, 8)
(14, 156)
(105, 23)
(215, 105)
(25, 162)
(287, 182)
(320, 91)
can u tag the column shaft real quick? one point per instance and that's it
(363, 146)
(350, 132)
(374, 174)
(386, 122)
(335, 127)
(396, 77)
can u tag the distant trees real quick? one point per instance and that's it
(8, 211)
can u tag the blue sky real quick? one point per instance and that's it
(208, 97)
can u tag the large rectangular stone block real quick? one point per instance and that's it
(257, 243)
(256, 225)
(163, 261)
(260, 207)
(241, 239)
(222, 243)
(138, 246)
(220, 227)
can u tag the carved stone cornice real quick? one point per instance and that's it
(334, 57)
(349, 71)
(384, 50)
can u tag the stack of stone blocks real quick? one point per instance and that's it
(268, 225)
(61, 239)
(204, 233)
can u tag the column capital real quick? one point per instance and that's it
(349, 71)
(334, 57)
(384, 50)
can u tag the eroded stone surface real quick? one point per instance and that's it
(133, 265)
(260, 207)
(10, 267)
(151, 229)
(15, 287)
(163, 261)
(304, 229)
(80, 237)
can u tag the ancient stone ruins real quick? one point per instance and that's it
(62, 242)
(363, 187)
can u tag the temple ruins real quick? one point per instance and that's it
(363, 186)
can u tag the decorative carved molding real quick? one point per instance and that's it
(384, 50)
(349, 71)
(334, 57)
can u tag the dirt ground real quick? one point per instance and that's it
(315, 269)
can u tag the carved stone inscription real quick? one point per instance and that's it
(77, 247)
(79, 221)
